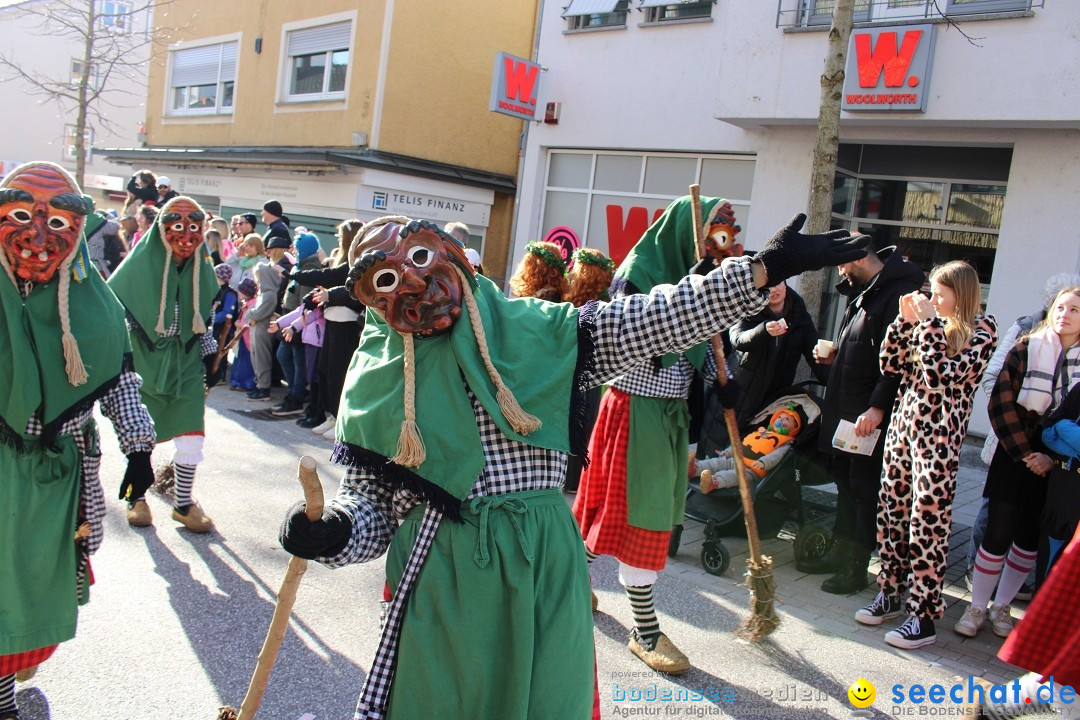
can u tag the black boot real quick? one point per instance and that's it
(851, 578)
(832, 560)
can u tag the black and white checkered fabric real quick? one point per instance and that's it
(134, 429)
(209, 342)
(628, 332)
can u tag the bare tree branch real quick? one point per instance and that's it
(952, 24)
(110, 49)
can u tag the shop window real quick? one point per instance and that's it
(203, 79)
(318, 62)
(591, 14)
(658, 11)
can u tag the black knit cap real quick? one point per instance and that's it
(273, 207)
(251, 218)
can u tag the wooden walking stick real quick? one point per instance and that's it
(759, 578)
(313, 497)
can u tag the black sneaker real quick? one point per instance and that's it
(1025, 593)
(258, 394)
(914, 633)
(881, 609)
(310, 422)
(290, 406)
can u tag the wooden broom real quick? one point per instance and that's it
(279, 624)
(759, 578)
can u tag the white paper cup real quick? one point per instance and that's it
(824, 348)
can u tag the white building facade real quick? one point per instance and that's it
(962, 141)
(37, 128)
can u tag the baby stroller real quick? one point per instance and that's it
(777, 495)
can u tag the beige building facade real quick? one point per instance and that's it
(339, 109)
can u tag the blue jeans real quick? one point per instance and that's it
(292, 359)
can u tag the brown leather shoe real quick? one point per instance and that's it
(138, 515)
(195, 520)
(664, 657)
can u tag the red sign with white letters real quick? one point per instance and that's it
(514, 86)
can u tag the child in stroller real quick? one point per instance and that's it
(777, 491)
(763, 449)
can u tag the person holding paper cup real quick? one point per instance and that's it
(858, 393)
(939, 348)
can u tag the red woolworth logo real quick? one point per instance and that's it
(900, 58)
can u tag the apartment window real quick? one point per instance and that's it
(69, 142)
(318, 62)
(77, 74)
(664, 10)
(980, 6)
(116, 16)
(587, 14)
(203, 79)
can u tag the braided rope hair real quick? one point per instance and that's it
(73, 364)
(198, 325)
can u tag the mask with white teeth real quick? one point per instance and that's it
(42, 214)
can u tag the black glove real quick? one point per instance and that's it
(323, 538)
(704, 266)
(138, 478)
(309, 301)
(789, 252)
(727, 395)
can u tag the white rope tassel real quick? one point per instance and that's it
(410, 449)
(73, 364)
(198, 325)
(160, 327)
(522, 422)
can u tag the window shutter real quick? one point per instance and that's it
(320, 39)
(228, 61)
(198, 66)
(590, 7)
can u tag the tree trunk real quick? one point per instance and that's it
(828, 141)
(84, 83)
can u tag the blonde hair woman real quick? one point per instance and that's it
(939, 348)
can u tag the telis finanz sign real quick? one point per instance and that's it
(888, 68)
(515, 86)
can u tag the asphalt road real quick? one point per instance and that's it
(176, 620)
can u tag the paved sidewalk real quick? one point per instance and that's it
(799, 595)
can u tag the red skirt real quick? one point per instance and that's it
(1047, 640)
(600, 506)
(11, 664)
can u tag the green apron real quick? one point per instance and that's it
(656, 459)
(173, 387)
(39, 503)
(499, 624)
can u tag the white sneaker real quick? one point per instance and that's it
(329, 434)
(1001, 619)
(971, 623)
(327, 424)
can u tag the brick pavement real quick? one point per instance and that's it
(800, 596)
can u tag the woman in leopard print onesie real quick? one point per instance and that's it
(940, 348)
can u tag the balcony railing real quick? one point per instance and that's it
(809, 13)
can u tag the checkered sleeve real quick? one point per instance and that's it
(124, 408)
(371, 507)
(209, 342)
(672, 318)
(1006, 415)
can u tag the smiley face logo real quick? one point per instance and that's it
(862, 693)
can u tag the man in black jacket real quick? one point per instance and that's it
(859, 393)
